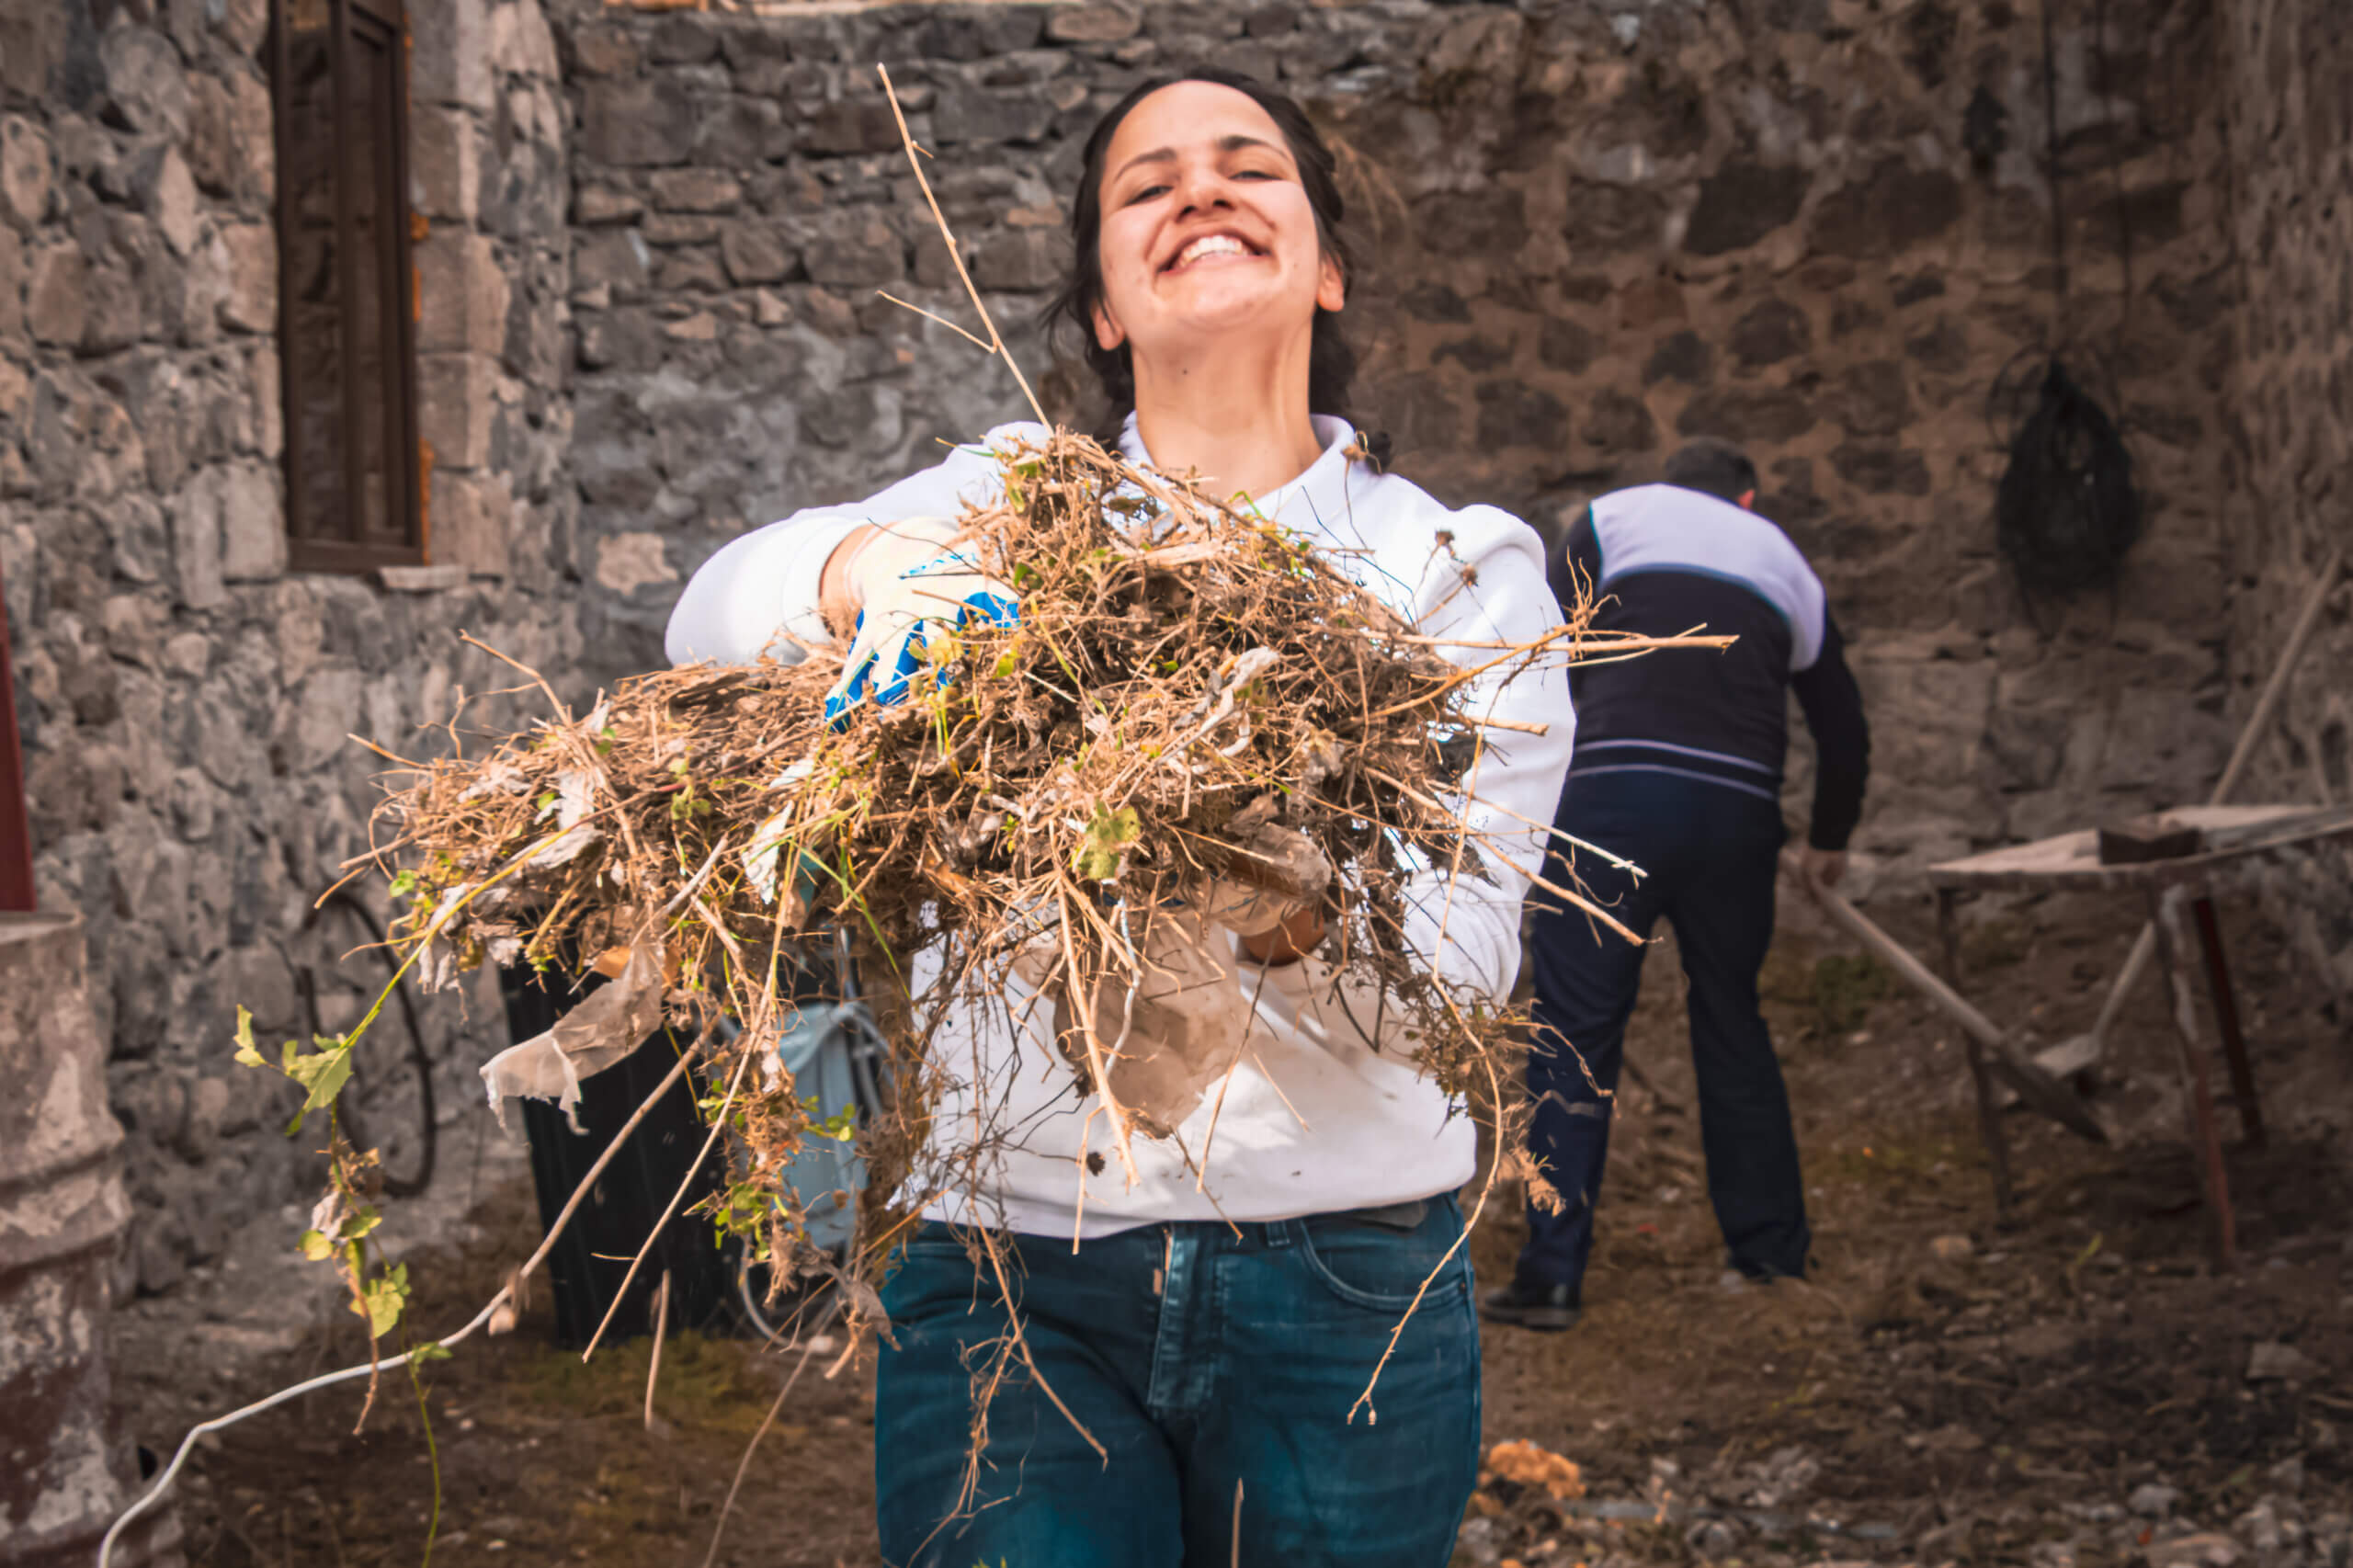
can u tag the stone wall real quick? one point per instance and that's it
(184, 699)
(2291, 491)
(648, 321)
(1600, 228)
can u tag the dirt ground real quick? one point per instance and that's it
(2069, 1385)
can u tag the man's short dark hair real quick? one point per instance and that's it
(1717, 467)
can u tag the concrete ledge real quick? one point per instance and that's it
(422, 579)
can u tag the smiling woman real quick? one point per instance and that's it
(1211, 162)
(1201, 1333)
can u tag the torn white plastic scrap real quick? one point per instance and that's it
(595, 1035)
(436, 965)
(575, 796)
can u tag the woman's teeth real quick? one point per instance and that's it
(1210, 245)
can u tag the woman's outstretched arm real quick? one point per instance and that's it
(764, 593)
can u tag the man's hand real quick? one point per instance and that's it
(903, 578)
(1822, 867)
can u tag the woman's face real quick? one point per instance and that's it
(1206, 228)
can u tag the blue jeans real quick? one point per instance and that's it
(1198, 1358)
(1710, 854)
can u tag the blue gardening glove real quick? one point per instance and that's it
(908, 577)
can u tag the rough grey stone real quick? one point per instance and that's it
(605, 51)
(24, 171)
(57, 296)
(146, 84)
(455, 407)
(696, 270)
(1889, 211)
(1879, 469)
(445, 163)
(667, 229)
(253, 524)
(464, 295)
(249, 302)
(1514, 414)
(196, 547)
(695, 190)
(616, 261)
(1683, 356)
(1771, 332)
(743, 128)
(1740, 204)
(1873, 400)
(12, 302)
(855, 253)
(1564, 345)
(756, 251)
(636, 124)
(1747, 413)
(230, 147)
(1607, 220)
(967, 112)
(1487, 221)
(852, 125)
(683, 39)
(602, 204)
(450, 62)
(520, 41)
(1618, 423)
(1026, 261)
(166, 192)
(1092, 23)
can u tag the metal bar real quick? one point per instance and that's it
(15, 830)
(2166, 908)
(346, 263)
(290, 374)
(2226, 1019)
(1989, 1110)
(402, 448)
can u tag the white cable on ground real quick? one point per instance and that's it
(148, 1498)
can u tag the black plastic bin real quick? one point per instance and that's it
(592, 1256)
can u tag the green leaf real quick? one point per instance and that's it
(248, 1055)
(380, 1300)
(405, 885)
(358, 1224)
(323, 1072)
(1103, 851)
(431, 1350)
(315, 1246)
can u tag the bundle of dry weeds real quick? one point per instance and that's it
(1182, 678)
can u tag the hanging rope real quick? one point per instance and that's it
(2066, 511)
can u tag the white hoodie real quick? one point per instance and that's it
(1323, 1112)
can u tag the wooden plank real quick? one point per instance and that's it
(2008, 1056)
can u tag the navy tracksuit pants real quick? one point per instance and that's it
(1709, 854)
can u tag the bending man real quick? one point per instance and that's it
(1677, 767)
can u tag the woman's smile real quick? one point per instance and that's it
(1223, 246)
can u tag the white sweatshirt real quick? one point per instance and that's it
(1314, 1118)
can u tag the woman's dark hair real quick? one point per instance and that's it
(1331, 364)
